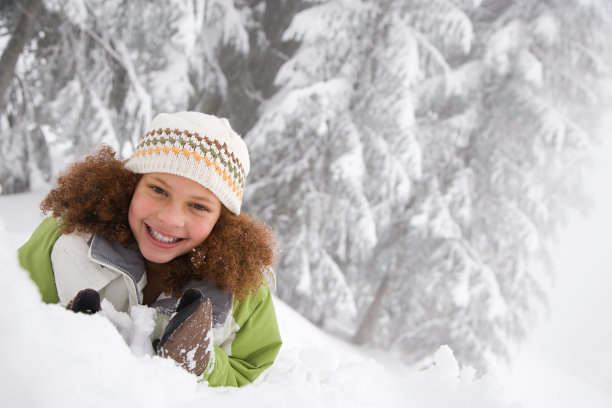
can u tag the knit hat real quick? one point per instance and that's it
(200, 147)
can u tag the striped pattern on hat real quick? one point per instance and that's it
(200, 147)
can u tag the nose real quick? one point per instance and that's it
(171, 215)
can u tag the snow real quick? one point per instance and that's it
(53, 357)
(135, 328)
(568, 362)
(545, 30)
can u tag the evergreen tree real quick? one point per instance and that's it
(418, 160)
(323, 166)
(18, 21)
(98, 71)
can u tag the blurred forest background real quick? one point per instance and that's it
(417, 158)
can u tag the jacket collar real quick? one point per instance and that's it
(128, 261)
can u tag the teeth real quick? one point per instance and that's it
(162, 238)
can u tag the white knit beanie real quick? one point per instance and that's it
(200, 147)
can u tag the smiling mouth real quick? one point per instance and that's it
(162, 238)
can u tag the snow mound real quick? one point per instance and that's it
(55, 358)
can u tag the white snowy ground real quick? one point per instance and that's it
(53, 358)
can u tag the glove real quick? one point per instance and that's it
(188, 335)
(86, 301)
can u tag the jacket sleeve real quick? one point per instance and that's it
(255, 346)
(35, 257)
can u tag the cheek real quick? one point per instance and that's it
(137, 211)
(202, 230)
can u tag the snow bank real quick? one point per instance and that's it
(55, 358)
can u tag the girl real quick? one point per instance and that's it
(164, 229)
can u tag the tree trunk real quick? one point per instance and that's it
(368, 324)
(8, 60)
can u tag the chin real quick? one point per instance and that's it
(156, 257)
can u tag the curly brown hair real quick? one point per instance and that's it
(94, 195)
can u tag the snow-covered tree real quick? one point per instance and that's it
(17, 21)
(510, 116)
(333, 154)
(97, 71)
(418, 159)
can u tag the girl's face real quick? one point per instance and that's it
(170, 215)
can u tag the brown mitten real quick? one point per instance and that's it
(188, 335)
(86, 301)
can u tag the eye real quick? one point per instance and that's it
(199, 207)
(157, 190)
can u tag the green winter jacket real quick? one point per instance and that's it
(246, 342)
